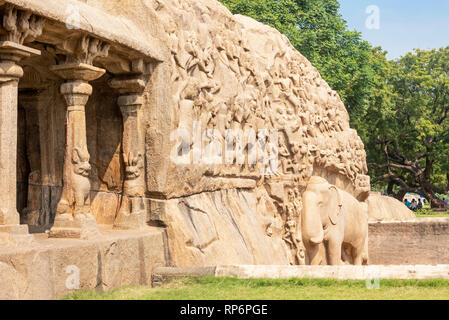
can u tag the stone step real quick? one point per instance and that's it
(345, 272)
(163, 274)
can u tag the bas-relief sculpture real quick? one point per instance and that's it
(335, 217)
(187, 65)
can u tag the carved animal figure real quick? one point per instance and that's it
(335, 218)
(80, 180)
(134, 165)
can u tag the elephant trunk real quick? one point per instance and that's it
(311, 225)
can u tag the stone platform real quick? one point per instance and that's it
(49, 268)
(345, 272)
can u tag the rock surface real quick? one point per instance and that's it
(54, 268)
(222, 227)
(384, 208)
(231, 73)
(207, 124)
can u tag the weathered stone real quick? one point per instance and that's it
(104, 206)
(219, 228)
(417, 241)
(369, 273)
(49, 268)
(384, 208)
(174, 114)
(125, 120)
(11, 53)
(80, 227)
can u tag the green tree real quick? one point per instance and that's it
(317, 30)
(406, 126)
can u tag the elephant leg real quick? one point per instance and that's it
(334, 252)
(365, 255)
(346, 254)
(363, 249)
(313, 252)
(359, 251)
(357, 255)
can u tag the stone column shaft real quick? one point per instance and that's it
(10, 73)
(31, 213)
(73, 216)
(8, 152)
(132, 155)
(76, 94)
(132, 214)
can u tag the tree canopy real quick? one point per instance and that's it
(406, 126)
(317, 30)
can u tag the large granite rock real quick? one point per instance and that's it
(384, 208)
(222, 227)
(206, 124)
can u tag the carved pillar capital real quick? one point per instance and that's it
(20, 26)
(128, 84)
(10, 54)
(130, 104)
(78, 71)
(83, 49)
(17, 27)
(131, 89)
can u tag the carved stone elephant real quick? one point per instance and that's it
(336, 219)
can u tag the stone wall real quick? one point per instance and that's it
(422, 241)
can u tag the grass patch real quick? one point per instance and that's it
(218, 288)
(427, 213)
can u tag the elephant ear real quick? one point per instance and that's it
(334, 213)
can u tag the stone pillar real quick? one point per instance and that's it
(29, 101)
(132, 213)
(10, 73)
(73, 217)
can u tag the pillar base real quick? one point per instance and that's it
(15, 234)
(132, 214)
(82, 227)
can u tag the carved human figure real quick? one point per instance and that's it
(291, 233)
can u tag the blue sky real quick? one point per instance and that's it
(404, 24)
